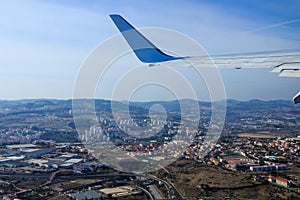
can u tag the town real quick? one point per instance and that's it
(43, 156)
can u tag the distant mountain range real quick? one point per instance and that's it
(173, 104)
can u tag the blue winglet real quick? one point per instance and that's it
(141, 46)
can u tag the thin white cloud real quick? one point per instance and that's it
(275, 25)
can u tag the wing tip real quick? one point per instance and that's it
(297, 98)
(115, 15)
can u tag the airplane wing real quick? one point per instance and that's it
(284, 62)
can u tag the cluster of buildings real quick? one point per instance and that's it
(169, 140)
(21, 135)
(113, 192)
(268, 168)
(241, 153)
(262, 156)
(45, 157)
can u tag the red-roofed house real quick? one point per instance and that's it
(279, 181)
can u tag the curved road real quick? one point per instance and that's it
(54, 175)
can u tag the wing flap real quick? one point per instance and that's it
(290, 73)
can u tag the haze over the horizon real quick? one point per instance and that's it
(43, 43)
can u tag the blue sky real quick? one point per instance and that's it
(43, 43)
